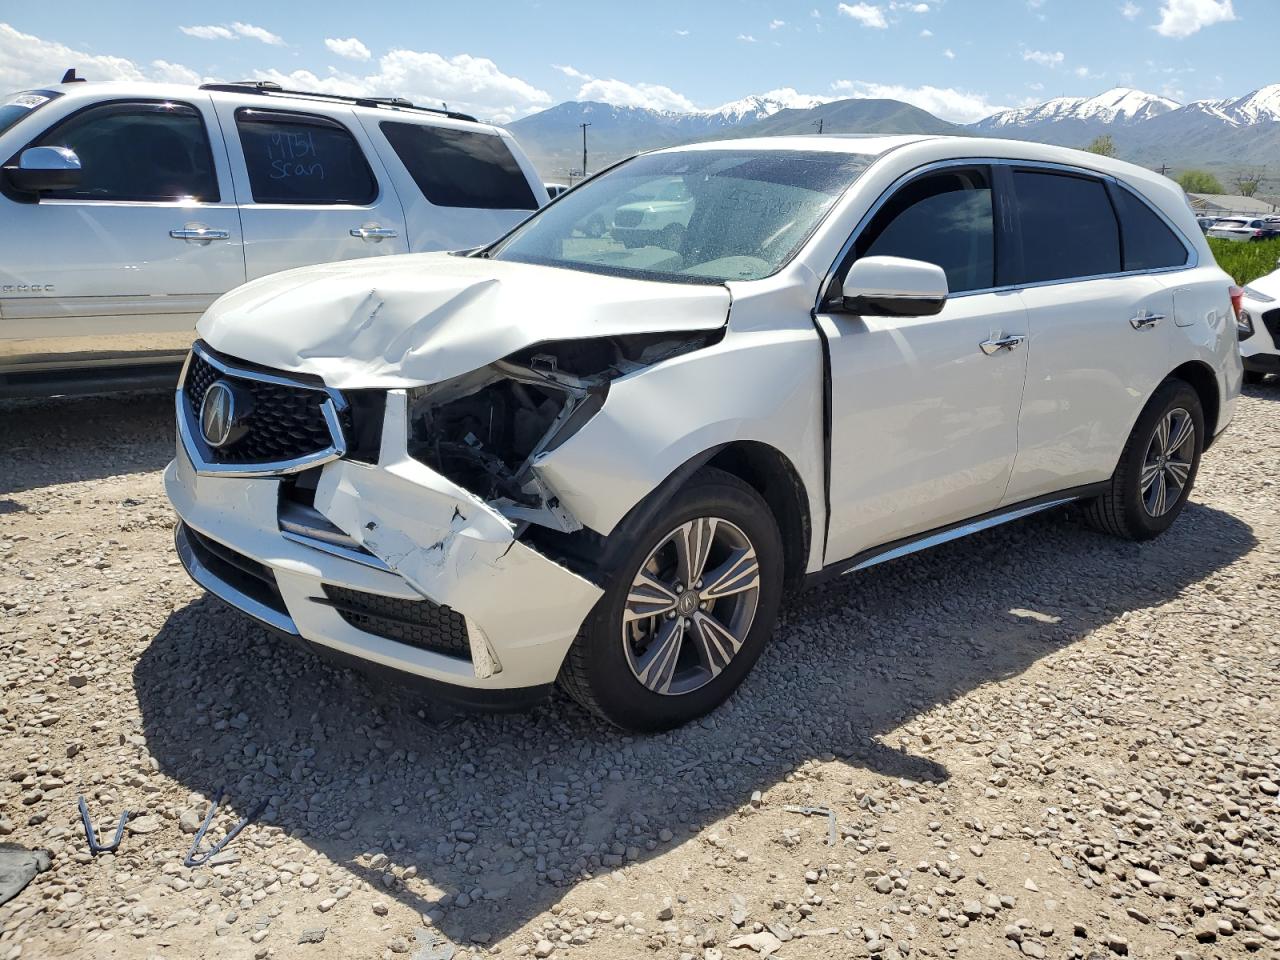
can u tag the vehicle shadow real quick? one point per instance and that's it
(112, 434)
(508, 811)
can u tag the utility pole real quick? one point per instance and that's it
(1164, 169)
(584, 148)
(818, 123)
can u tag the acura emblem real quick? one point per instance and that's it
(218, 414)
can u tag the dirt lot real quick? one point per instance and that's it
(1039, 741)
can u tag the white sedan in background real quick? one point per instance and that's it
(1259, 328)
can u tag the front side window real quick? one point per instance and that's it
(300, 158)
(692, 216)
(941, 218)
(1068, 227)
(460, 168)
(151, 151)
(1149, 244)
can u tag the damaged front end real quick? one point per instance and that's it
(486, 430)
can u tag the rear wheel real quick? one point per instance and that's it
(690, 605)
(1157, 468)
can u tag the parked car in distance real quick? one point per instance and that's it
(127, 208)
(565, 458)
(1205, 223)
(1260, 327)
(555, 189)
(1243, 229)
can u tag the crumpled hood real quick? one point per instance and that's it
(414, 319)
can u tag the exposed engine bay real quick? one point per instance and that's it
(485, 430)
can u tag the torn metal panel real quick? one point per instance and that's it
(422, 318)
(453, 548)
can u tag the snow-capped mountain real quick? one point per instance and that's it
(1120, 105)
(759, 106)
(1261, 106)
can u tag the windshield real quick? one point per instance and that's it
(694, 216)
(13, 108)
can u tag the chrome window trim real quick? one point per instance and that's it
(1193, 255)
(188, 426)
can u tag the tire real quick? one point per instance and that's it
(604, 668)
(1254, 377)
(1125, 510)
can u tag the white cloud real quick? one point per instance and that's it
(1181, 18)
(1086, 74)
(652, 96)
(234, 31)
(569, 71)
(1130, 11)
(867, 14)
(682, 33)
(958, 106)
(351, 48)
(746, 38)
(28, 61)
(926, 33)
(949, 53)
(777, 24)
(1046, 58)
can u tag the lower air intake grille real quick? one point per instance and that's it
(416, 623)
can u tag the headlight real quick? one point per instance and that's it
(1244, 325)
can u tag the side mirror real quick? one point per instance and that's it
(45, 168)
(890, 287)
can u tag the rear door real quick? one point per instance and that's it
(310, 187)
(120, 267)
(1101, 312)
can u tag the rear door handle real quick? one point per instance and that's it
(997, 344)
(1145, 319)
(374, 232)
(201, 234)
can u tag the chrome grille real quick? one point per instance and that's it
(284, 428)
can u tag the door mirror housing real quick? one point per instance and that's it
(890, 287)
(45, 168)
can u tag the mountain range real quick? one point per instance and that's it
(1146, 128)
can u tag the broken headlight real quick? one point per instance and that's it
(484, 430)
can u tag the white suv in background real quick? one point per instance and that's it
(570, 457)
(127, 208)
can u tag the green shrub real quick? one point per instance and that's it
(1246, 262)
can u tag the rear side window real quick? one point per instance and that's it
(299, 158)
(153, 151)
(459, 168)
(941, 218)
(1149, 244)
(1068, 227)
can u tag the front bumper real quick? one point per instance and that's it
(414, 536)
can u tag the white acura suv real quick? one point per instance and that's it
(565, 458)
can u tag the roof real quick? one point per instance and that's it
(1231, 202)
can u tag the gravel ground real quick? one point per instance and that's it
(1039, 741)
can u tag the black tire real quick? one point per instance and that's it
(1254, 377)
(1120, 511)
(597, 672)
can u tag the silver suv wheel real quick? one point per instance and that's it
(690, 606)
(1167, 465)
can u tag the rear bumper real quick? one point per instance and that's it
(415, 542)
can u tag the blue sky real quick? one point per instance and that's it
(960, 59)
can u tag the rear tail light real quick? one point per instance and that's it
(1237, 299)
(1257, 234)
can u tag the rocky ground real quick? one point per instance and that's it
(1039, 741)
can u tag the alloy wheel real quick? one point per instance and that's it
(1167, 465)
(691, 606)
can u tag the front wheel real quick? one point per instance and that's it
(689, 607)
(1157, 468)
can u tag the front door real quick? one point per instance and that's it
(120, 267)
(311, 188)
(924, 420)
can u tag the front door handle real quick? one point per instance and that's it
(199, 233)
(996, 344)
(371, 231)
(1145, 319)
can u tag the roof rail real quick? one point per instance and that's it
(269, 87)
